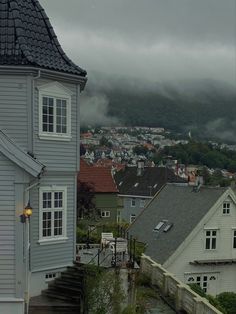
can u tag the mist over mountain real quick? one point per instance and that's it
(205, 107)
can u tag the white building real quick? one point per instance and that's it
(192, 233)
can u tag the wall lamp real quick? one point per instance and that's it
(27, 213)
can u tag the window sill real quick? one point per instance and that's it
(52, 241)
(53, 137)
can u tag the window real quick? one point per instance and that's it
(226, 208)
(54, 112)
(202, 280)
(234, 239)
(52, 213)
(105, 213)
(51, 276)
(210, 243)
(132, 218)
(159, 225)
(142, 202)
(133, 202)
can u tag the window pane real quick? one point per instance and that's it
(47, 114)
(47, 199)
(207, 244)
(58, 199)
(61, 119)
(213, 246)
(47, 224)
(58, 223)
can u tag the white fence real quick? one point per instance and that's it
(184, 298)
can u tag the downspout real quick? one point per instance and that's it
(33, 106)
(27, 247)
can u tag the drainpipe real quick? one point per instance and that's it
(38, 76)
(27, 248)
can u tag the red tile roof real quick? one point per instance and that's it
(100, 177)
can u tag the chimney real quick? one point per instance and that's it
(140, 168)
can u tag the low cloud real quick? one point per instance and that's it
(94, 111)
(222, 129)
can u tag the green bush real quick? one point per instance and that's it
(228, 301)
(213, 301)
(196, 288)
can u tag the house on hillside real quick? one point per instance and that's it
(39, 153)
(105, 190)
(191, 231)
(138, 185)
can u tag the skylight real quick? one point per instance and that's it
(136, 184)
(155, 186)
(121, 182)
(158, 226)
(168, 227)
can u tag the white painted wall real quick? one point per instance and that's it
(195, 250)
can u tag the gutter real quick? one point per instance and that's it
(21, 70)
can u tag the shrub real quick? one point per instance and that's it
(228, 301)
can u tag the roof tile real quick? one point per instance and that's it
(27, 38)
(99, 177)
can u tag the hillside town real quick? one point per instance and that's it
(102, 220)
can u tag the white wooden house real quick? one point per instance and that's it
(39, 153)
(192, 233)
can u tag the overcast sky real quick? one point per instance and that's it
(155, 39)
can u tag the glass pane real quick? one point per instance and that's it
(47, 199)
(47, 113)
(57, 223)
(47, 224)
(207, 244)
(61, 116)
(213, 243)
(58, 199)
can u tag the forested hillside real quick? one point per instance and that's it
(207, 108)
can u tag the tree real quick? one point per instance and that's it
(85, 205)
(140, 150)
(104, 291)
(105, 142)
(228, 301)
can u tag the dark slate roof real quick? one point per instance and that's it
(27, 38)
(151, 180)
(179, 205)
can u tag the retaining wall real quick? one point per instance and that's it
(183, 296)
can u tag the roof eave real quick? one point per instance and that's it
(9, 149)
(46, 73)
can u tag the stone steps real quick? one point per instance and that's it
(64, 294)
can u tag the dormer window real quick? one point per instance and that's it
(226, 208)
(54, 112)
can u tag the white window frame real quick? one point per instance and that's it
(234, 238)
(142, 202)
(132, 218)
(53, 238)
(226, 207)
(105, 213)
(133, 202)
(211, 237)
(55, 91)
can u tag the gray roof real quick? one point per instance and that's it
(180, 206)
(147, 184)
(27, 38)
(9, 149)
